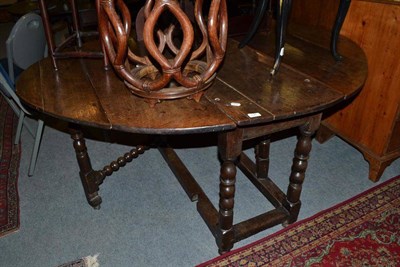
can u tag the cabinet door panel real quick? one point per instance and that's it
(368, 121)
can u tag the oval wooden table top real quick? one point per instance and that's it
(309, 81)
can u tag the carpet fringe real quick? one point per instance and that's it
(88, 261)
(91, 261)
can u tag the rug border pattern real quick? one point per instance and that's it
(9, 169)
(365, 211)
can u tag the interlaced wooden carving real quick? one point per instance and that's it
(174, 67)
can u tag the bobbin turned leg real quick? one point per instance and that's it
(89, 177)
(299, 167)
(226, 202)
(229, 146)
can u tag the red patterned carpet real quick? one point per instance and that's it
(9, 165)
(363, 231)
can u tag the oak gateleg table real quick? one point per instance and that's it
(244, 103)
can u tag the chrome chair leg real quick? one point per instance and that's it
(341, 15)
(258, 17)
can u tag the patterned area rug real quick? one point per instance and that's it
(9, 165)
(363, 231)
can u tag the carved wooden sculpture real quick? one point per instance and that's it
(169, 71)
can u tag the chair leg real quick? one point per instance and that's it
(340, 17)
(75, 21)
(19, 127)
(283, 10)
(48, 31)
(260, 11)
(35, 151)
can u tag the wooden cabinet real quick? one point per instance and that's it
(371, 121)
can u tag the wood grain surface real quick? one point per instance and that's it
(243, 94)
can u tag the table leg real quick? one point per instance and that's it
(262, 159)
(230, 147)
(89, 177)
(299, 167)
(226, 203)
